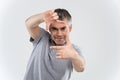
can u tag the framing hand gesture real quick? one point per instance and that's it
(66, 51)
(49, 17)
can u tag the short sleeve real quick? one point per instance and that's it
(77, 48)
(43, 33)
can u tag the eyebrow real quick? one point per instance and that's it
(53, 27)
(57, 28)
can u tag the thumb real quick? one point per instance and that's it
(68, 40)
(47, 25)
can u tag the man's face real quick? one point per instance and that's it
(59, 31)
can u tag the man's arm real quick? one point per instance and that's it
(68, 52)
(78, 62)
(32, 23)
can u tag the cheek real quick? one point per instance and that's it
(66, 32)
(53, 33)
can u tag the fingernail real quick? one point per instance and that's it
(50, 47)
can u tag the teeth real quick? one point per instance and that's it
(58, 38)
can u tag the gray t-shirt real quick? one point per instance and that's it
(43, 64)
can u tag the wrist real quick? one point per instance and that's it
(74, 56)
(43, 16)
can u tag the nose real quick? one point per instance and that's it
(59, 32)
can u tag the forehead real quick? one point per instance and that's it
(59, 24)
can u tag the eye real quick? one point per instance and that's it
(63, 28)
(53, 29)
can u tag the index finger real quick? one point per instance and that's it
(51, 11)
(59, 21)
(56, 47)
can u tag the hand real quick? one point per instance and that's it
(65, 52)
(49, 17)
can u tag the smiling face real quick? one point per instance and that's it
(59, 31)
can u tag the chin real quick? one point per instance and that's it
(60, 43)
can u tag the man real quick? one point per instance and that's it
(53, 56)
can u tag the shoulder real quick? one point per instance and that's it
(78, 49)
(75, 46)
(43, 35)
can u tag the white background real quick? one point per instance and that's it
(96, 29)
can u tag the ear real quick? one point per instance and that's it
(70, 28)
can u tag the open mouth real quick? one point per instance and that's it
(59, 38)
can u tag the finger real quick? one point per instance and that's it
(47, 26)
(60, 21)
(51, 12)
(59, 51)
(56, 47)
(59, 57)
(54, 14)
(55, 17)
(67, 39)
(58, 54)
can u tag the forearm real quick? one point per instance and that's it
(78, 62)
(34, 20)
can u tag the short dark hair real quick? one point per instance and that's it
(63, 14)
